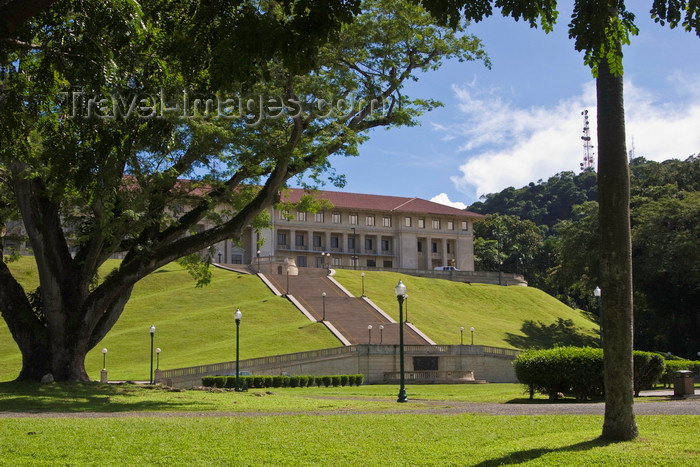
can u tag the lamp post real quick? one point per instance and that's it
(158, 358)
(237, 316)
(381, 334)
(258, 255)
(104, 359)
(354, 248)
(406, 299)
(324, 305)
(461, 335)
(152, 330)
(369, 330)
(363, 283)
(287, 280)
(471, 329)
(597, 293)
(400, 290)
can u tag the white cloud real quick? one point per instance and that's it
(442, 198)
(509, 146)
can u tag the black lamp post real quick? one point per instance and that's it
(369, 330)
(287, 280)
(104, 359)
(324, 305)
(406, 300)
(597, 294)
(258, 254)
(237, 316)
(461, 335)
(381, 334)
(152, 330)
(158, 358)
(400, 290)
(363, 283)
(471, 329)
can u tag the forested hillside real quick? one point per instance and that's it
(549, 232)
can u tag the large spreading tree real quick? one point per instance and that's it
(600, 28)
(113, 140)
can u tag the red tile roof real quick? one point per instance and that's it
(363, 202)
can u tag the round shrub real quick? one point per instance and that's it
(359, 379)
(293, 381)
(344, 380)
(648, 369)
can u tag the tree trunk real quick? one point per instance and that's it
(615, 259)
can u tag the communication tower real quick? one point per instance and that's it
(587, 146)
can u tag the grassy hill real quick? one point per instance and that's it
(195, 326)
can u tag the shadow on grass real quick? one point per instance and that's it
(538, 335)
(520, 457)
(84, 397)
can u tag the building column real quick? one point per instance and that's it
(429, 253)
(444, 252)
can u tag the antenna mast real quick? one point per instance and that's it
(587, 146)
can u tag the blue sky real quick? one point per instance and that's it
(521, 121)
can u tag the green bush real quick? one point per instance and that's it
(648, 369)
(208, 381)
(344, 380)
(268, 381)
(672, 366)
(326, 380)
(303, 381)
(220, 381)
(293, 381)
(351, 380)
(277, 381)
(359, 379)
(335, 380)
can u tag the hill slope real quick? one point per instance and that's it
(195, 326)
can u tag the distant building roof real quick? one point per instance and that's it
(363, 202)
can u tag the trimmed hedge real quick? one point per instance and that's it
(578, 371)
(279, 381)
(672, 366)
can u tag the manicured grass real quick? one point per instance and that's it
(440, 307)
(194, 326)
(314, 426)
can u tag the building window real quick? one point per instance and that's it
(318, 217)
(420, 246)
(464, 225)
(352, 219)
(284, 215)
(281, 239)
(369, 220)
(301, 216)
(421, 223)
(299, 241)
(368, 244)
(450, 225)
(335, 218)
(388, 263)
(351, 243)
(317, 241)
(448, 249)
(371, 263)
(301, 261)
(337, 262)
(434, 247)
(436, 224)
(386, 221)
(334, 241)
(386, 245)
(407, 221)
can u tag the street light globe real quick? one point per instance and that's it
(237, 315)
(471, 329)
(400, 289)
(157, 349)
(153, 329)
(104, 351)
(363, 274)
(323, 294)
(461, 328)
(381, 326)
(596, 291)
(369, 326)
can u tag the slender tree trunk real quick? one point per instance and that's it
(615, 259)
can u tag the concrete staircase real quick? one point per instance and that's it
(347, 316)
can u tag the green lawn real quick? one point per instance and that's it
(440, 307)
(316, 426)
(195, 326)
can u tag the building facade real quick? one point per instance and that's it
(360, 231)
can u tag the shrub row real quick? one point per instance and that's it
(280, 381)
(579, 371)
(672, 366)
